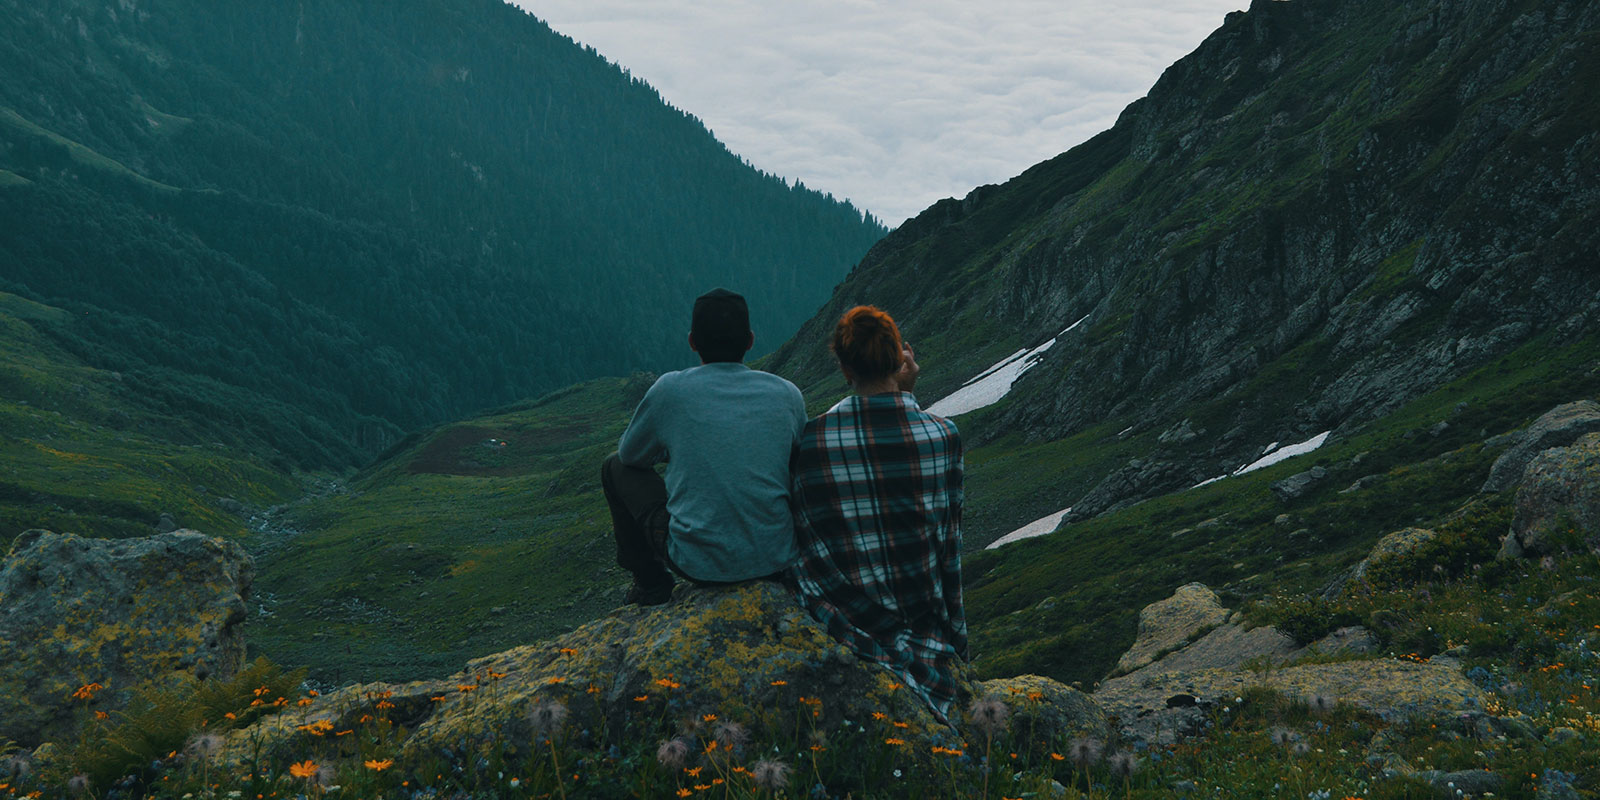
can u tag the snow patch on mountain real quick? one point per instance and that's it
(1273, 455)
(991, 385)
(1038, 527)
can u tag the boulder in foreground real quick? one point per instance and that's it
(746, 654)
(77, 612)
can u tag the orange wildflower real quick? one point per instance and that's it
(377, 765)
(304, 769)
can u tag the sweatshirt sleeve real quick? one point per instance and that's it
(642, 444)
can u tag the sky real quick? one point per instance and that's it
(894, 104)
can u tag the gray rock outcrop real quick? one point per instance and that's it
(1295, 486)
(1169, 624)
(124, 613)
(1559, 496)
(1558, 427)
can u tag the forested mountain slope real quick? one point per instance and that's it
(375, 214)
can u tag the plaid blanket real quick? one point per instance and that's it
(876, 492)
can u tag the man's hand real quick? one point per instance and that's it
(906, 378)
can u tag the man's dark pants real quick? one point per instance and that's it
(639, 519)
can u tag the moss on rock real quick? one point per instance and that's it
(123, 614)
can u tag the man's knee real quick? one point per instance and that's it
(608, 472)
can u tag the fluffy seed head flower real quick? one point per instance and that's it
(325, 775)
(78, 784)
(17, 766)
(1085, 751)
(547, 717)
(989, 714)
(731, 735)
(1300, 748)
(1282, 737)
(1123, 764)
(770, 774)
(673, 752)
(203, 745)
(1322, 703)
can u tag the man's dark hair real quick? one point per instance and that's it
(721, 326)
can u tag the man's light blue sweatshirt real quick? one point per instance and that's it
(725, 432)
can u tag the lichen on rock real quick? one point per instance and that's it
(747, 654)
(1166, 625)
(1559, 498)
(126, 613)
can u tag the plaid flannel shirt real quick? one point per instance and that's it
(876, 491)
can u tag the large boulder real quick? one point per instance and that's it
(1296, 486)
(1390, 552)
(123, 614)
(1559, 427)
(1170, 624)
(746, 654)
(1559, 497)
(1162, 706)
(1227, 646)
(1051, 712)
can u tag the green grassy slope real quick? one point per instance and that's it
(1066, 604)
(81, 450)
(466, 539)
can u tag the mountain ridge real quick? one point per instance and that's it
(382, 215)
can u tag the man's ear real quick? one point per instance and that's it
(692, 344)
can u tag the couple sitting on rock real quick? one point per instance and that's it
(858, 510)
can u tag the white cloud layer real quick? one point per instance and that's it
(894, 104)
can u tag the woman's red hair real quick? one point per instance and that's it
(867, 341)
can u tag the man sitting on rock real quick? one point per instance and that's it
(721, 514)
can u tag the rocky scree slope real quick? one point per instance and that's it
(1329, 208)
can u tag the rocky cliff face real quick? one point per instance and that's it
(1329, 208)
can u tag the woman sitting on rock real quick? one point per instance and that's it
(876, 488)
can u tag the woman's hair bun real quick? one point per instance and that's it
(867, 341)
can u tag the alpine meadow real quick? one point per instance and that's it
(1279, 399)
